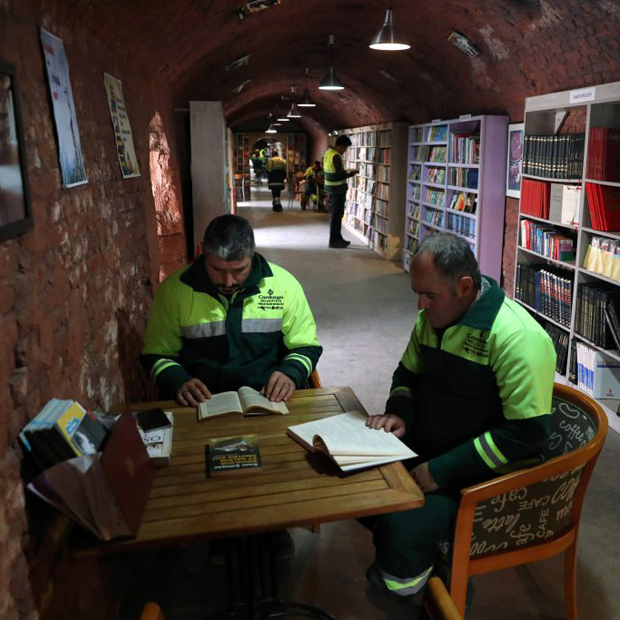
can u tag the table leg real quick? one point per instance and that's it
(253, 584)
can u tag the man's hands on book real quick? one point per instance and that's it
(279, 387)
(192, 392)
(424, 479)
(388, 422)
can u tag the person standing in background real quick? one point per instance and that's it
(336, 188)
(276, 173)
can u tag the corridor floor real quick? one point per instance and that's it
(364, 309)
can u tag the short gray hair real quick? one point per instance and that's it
(452, 257)
(230, 238)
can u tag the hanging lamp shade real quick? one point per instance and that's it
(388, 38)
(331, 81)
(306, 101)
(294, 112)
(271, 129)
(283, 118)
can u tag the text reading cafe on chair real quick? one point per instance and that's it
(293, 488)
(533, 514)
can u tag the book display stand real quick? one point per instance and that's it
(568, 253)
(456, 182)
(375, 199)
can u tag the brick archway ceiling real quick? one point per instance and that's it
(526, 47)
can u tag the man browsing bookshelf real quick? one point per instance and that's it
(471, 396)
(228, 320)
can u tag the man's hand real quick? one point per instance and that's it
(353, 172)
(192, 392)
(388, 422)
(279, 387)
(423, 478)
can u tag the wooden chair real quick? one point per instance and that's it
(240, 183)
(532, 514)
(438, 604)
(152, 611)
(314, 381)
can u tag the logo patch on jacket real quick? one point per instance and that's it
(476, 346)
(270, 301)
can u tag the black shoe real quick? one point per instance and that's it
(342, 240)
(277, 208)
(339, 244)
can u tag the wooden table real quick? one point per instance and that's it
(293, 488)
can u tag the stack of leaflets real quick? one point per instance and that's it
(62, 430)
(158, 442)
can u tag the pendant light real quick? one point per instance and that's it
(294, 112)
(306, 101)
(388, 38)
(271, 129)
(331, 81)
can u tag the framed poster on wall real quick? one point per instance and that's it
(15, 216)
(515, 160)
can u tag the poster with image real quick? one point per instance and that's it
(122, 129)
(515, 160)
(69, 147)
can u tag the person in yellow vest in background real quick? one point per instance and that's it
(336, 188)
(313, 178)
(276, 174)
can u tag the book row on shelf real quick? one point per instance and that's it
(413, 227)
(604, 154)
(435, 197)
(554, 157)
(371, 154)
(464, 177)
(464, 149)
(597, 374)
(436, 134)
(604, 206)
(464, 226)
(374, 171)
(546, 290)
(379, 138)
(415, 195)
(415, 172)
(434, 154)
(596, 316)
(435, 217)
(413, 210)
(465, 202)
(436, 175)
(546, 241)
(560, 339)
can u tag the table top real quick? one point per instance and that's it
(293, 487)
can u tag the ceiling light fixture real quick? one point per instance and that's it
(331, 81)
(271, 129)
(388, 38)
(306, 101)
(294, 112)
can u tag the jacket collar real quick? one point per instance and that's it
(198, 279)
(481, 314)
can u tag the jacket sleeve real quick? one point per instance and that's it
(524, 367)
(340, 173)
(401, 399)
(162, 342)
(299, 331)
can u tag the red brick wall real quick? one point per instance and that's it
(75, 291)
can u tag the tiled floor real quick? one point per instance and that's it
(364, 311)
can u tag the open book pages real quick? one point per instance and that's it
(347, 440)
(246, 401)
(158, 442)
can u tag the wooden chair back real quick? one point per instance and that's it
(532, 514)
(152, 611)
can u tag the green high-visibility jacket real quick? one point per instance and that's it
(195, 331)
(333, 172)
(476, 396)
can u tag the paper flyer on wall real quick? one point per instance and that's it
(69, 147)
(122, 129)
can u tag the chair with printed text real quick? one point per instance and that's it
(532, 514)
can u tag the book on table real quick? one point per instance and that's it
(246, 401)
(229, 455)
(158, 442)
(351, 444)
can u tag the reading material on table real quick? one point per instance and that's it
(158, 442)
(347, 440)
(246, 401)
(227, 455)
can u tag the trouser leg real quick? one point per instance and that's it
(336, 206)
(275, 194)
(406, 542)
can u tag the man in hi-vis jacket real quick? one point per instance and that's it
(471, 396)
(228, 320)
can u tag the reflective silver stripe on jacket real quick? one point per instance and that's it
(204, 330)
(261, 326)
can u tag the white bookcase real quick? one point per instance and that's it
(570, 112)
(375, 199)
(456, 182)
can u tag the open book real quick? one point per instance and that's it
(246, 401)
(347, 440)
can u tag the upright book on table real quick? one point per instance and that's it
(246, 401)
(351, 444)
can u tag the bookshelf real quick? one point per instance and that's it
(375, 199)
(574, 285)
(296, 153)
(456, 182)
